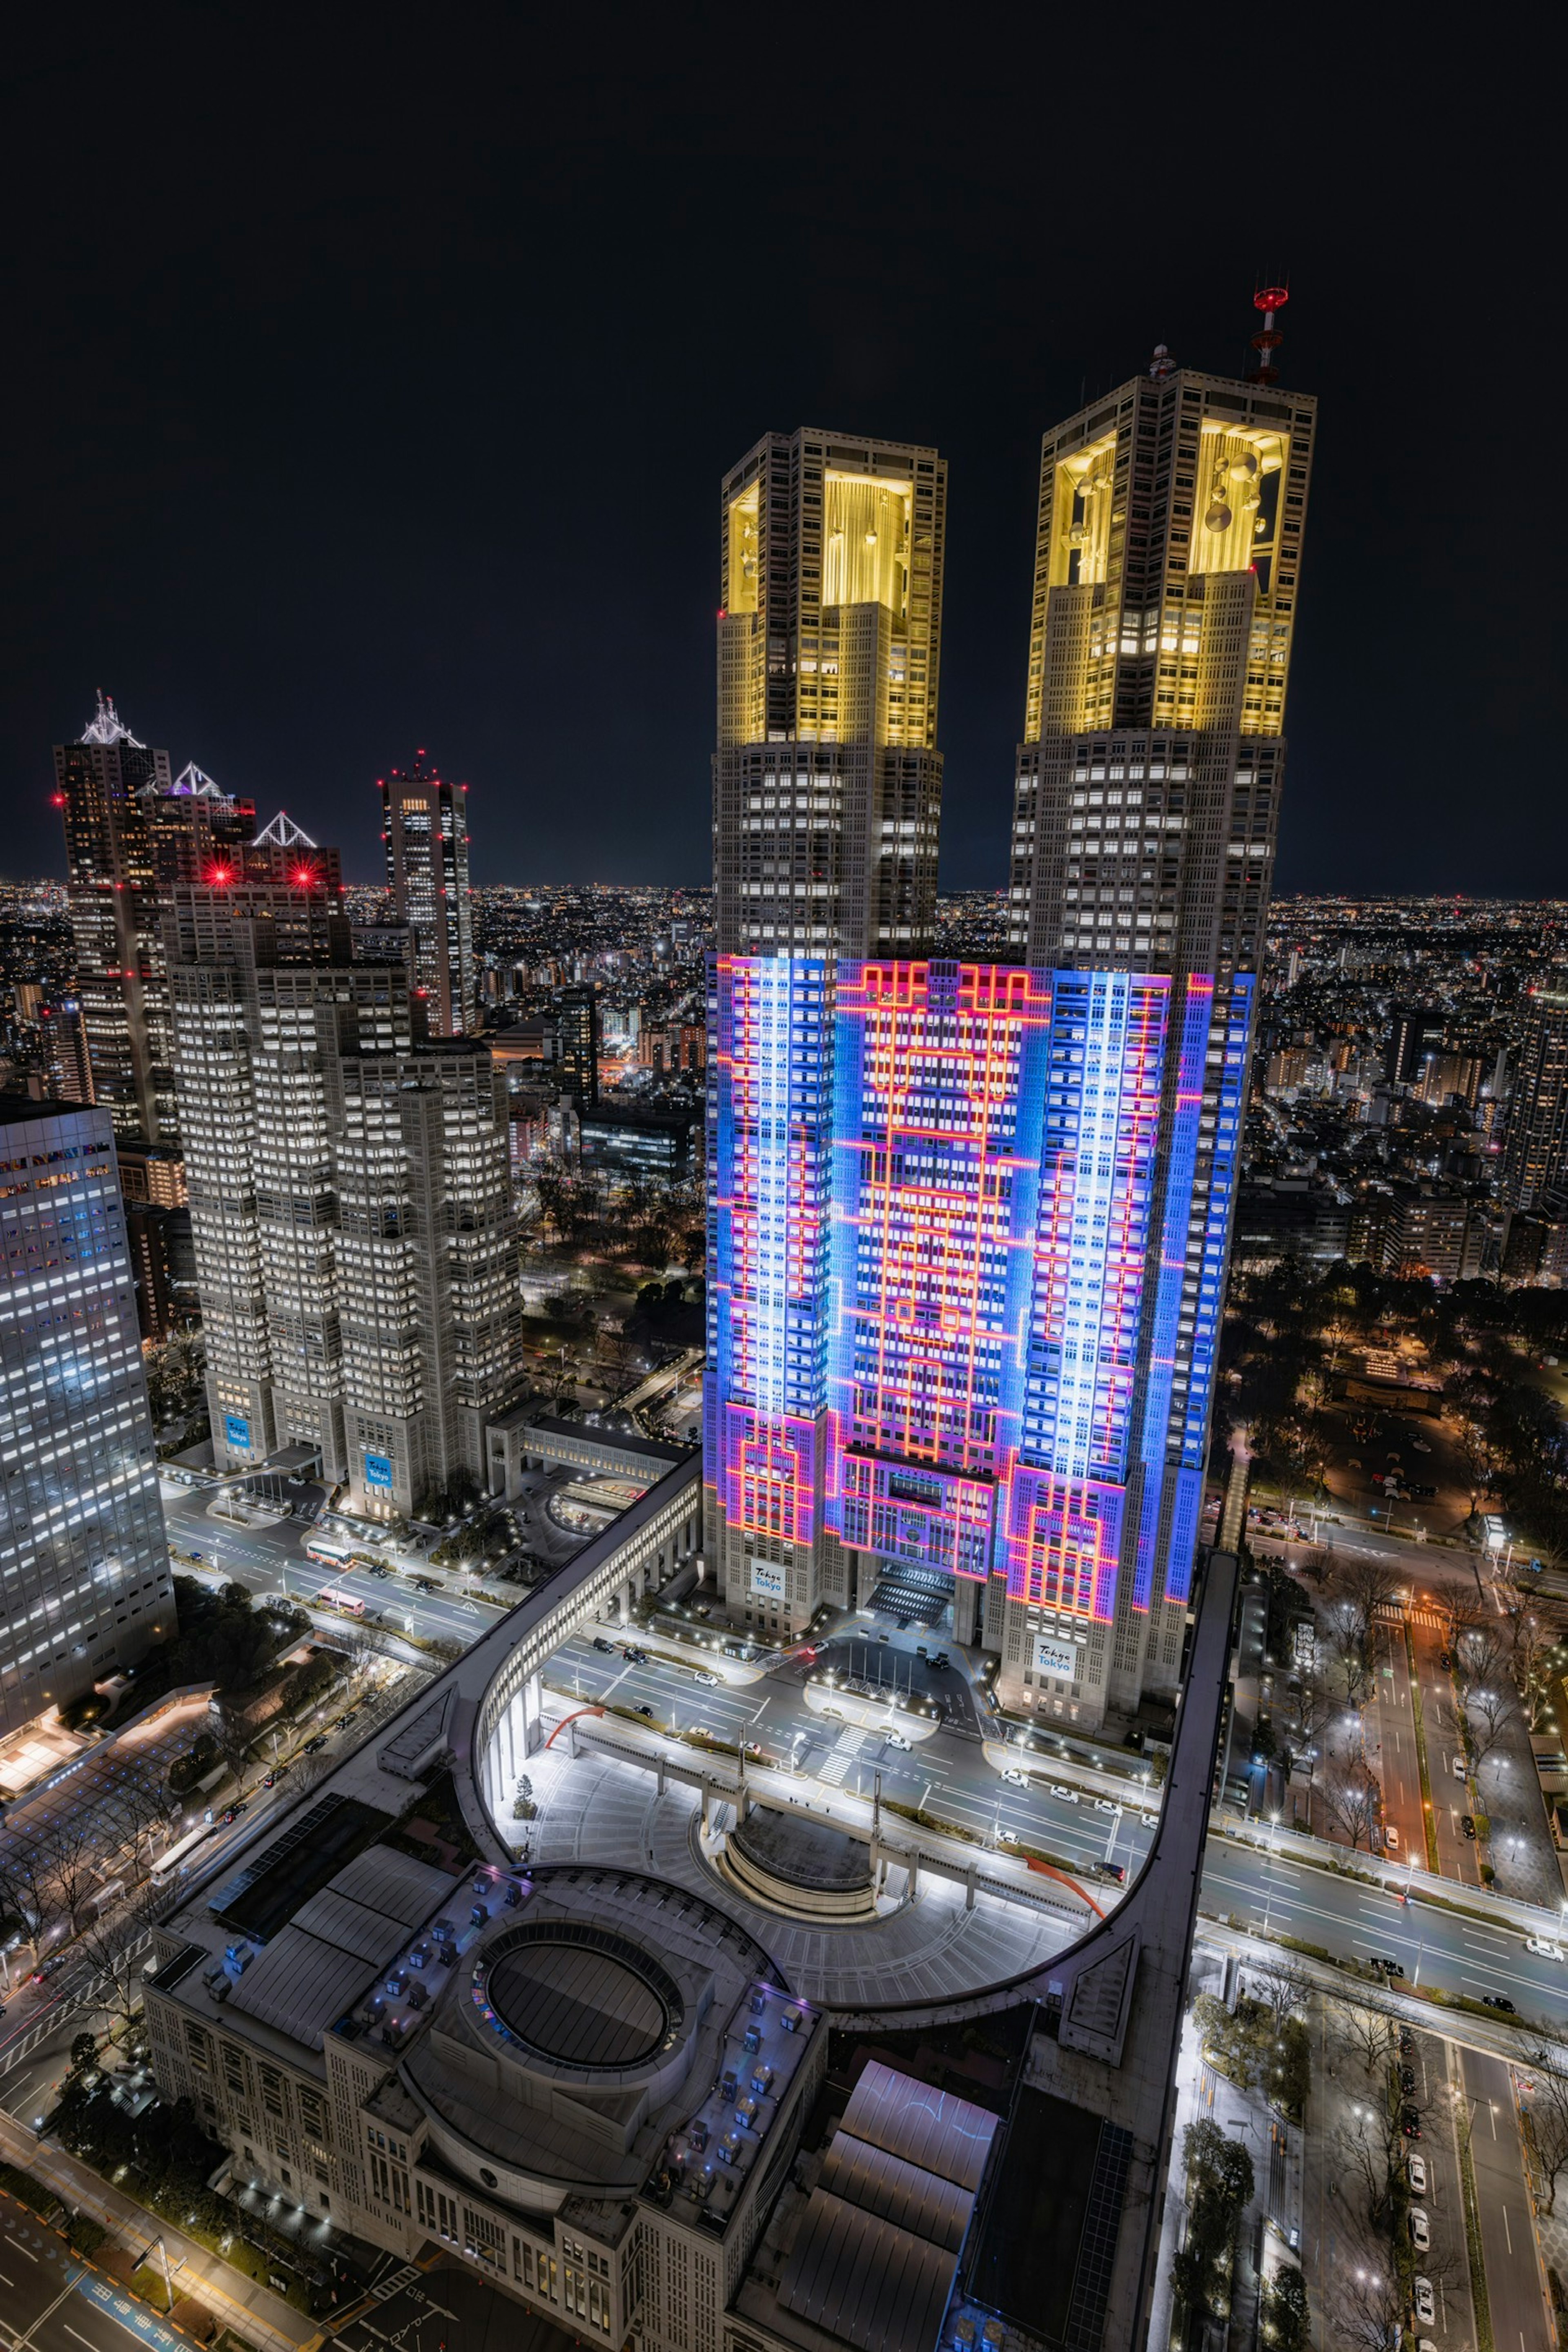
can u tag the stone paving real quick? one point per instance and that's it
(928, 1949)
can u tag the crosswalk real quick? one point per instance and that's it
(1431, 1621)
(845, 1750)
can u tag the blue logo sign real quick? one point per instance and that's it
(236, 1429)
(377, 1470)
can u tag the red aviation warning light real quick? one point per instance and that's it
(1269, 299)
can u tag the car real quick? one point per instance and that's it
(1417, 2167)
(314, 1747)
(897, 1740)
(1420, 2230)
(704, 1676)
(1008, 1837)
(1426, 2302)
(1544, 1946)
(1410, 2124)
(942, 1663)
(1467, 1823)
(1391, 1837)
(1011, 1772)
(1407, 2078)
(1418, 1445)
(228, 1817)
(1104, 1805)
(645, 1710)
(275, 1776)
(1459, 1768)
(1499, 2001)
(607, 1648)
(1148, 1820)
(1065, 1796)
(1406, 2041)
(1116, 1870)
(241, 1806)
(698, 1731)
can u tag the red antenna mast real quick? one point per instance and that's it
(1269, 299)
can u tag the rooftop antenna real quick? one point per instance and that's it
(1162, 365)
(1269, 299)
(106, 725)
(195, 782)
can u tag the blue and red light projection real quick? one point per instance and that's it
(768, 1137)
(930, 1197)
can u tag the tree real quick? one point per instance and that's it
(1219, 2187)
(1478, 1654)
(1283, 1984)
(84, 2050)
(1352, 1800)
(1287, 2318)
(1546, 2113)
(1489, 1714)
(1367, 2035)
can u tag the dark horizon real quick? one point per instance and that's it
(380, 397)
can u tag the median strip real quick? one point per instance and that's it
(1428, 1817)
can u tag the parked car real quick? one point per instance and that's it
(1407, 2078)
(1391, 1837)
(1008, 1837)
(645, 1710)
(1068, 1796)
(608, 1648)
(1149, 1820)
(1426, 2302)
(314, 1747)
(1117, 1870)
(1417, 2167)
(1459, 1768)
(1499, 2001)
(1467, 1823)
(1104, 1805)
(1420, 2230)
(1410, 2124)
(1391, 1967)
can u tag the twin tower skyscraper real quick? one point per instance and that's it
(969, 1223)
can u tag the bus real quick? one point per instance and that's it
(331, 1597)
(329, 1551)
(175, 1857)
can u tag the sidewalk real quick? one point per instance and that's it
(253, 2311)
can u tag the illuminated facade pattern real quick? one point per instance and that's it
(932, 1190)
(84, 1560)
(827, 780)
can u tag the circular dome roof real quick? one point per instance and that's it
(579, 1994)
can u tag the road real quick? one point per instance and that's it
(57, 2303)
(946, 1775)
(1507, 2242)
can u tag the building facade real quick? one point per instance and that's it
(937, 1244)
(84, 1558)
(1535, 1152)
(350, 1199)
(105, 787)
(827, 780)
(424, 825)
(1146, 818)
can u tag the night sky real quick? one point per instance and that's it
(370, 378)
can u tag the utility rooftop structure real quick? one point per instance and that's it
(827, 780)
(424, 825)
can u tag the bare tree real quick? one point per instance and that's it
(1478, 1654)
(1533, 1647)
(1546, 2121)
(1489, 1714)
(234, 1739)
(108, 1945)
(1354, 1801)
(1368, 2035)
(1283, 1984)
(69, 1863)
(1367, 2308)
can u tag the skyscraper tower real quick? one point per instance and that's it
(424, 825)
(1147, 810)
(105, 785)
(350, 1190)
(84, 1560)
(826, 780)
(1536, 1155)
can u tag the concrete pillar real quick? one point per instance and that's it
(914, 1874)
(624, 1598)
(707, 1806)
(661, 1775)
(966, 1591)
(533, 1728)
(969, 1888)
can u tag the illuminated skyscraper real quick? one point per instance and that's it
(424, 825)
(1167, 565)
(1535, 1154)
(84, 1561)
(105, 786)
(827, 781)
(350, 1193)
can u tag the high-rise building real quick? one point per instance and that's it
(105, 785)
(1535, 1154)
(84, 1560)
(931, 1205)
(1413, 1031)
(1146, 818)
(62, 1036)
(572, 1041)
(350, 1197)
(827, 780)
(424, 825)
